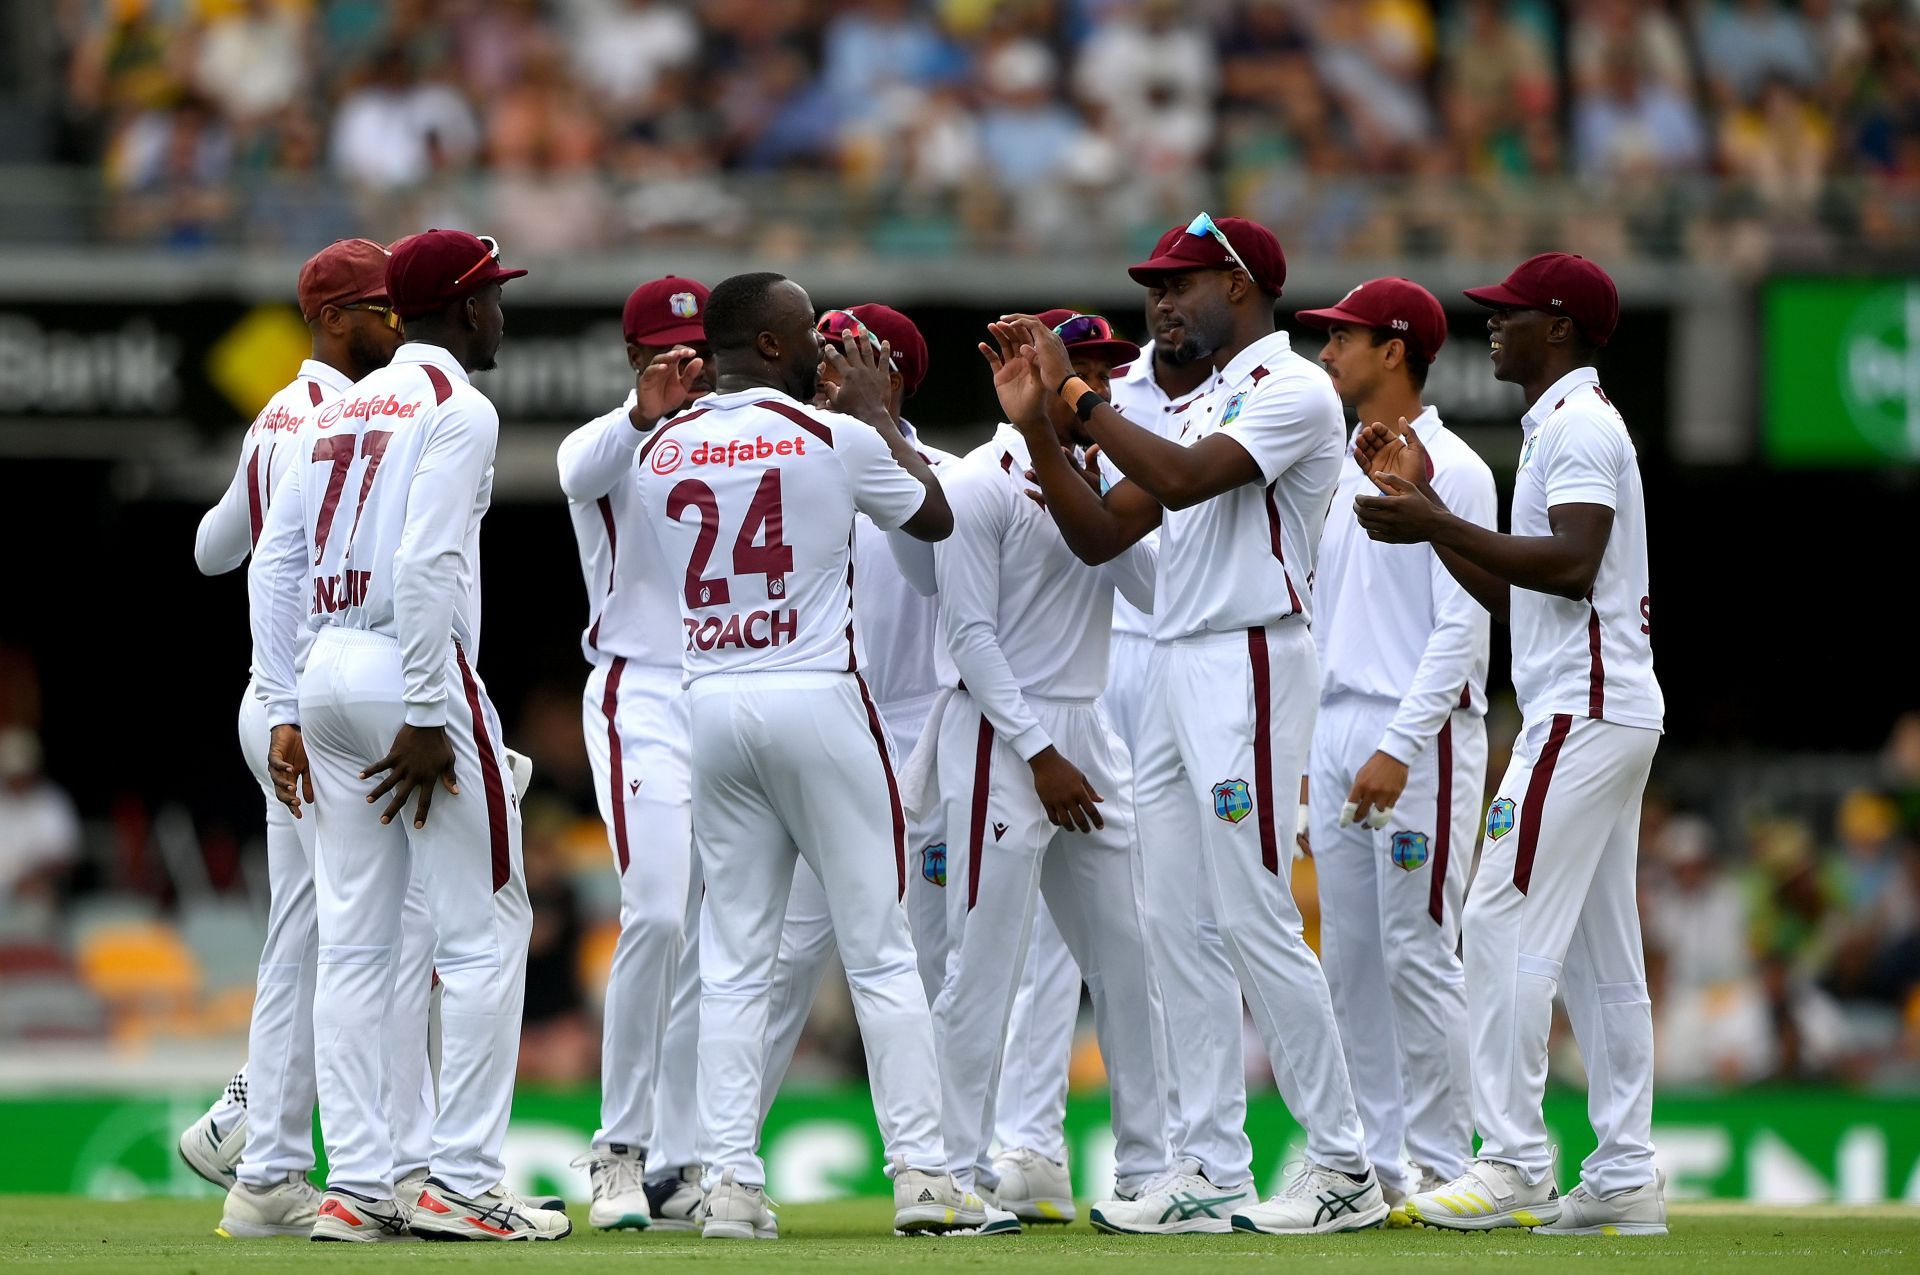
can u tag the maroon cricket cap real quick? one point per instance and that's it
(435, 268)
(1113, 351)
(1399, 306)
(343, 272)
(1559, 283)
(666, 311)
(898, 331)
(1179, 251)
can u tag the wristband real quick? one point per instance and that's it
(1088, 401)
(1061, 389)
(1072, 389)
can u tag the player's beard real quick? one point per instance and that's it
(368, 351)
(806, 383)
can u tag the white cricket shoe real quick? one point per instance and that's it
(619, 1177)
(674, 1203)
(213, 1152)
(442, 1213)
(926, 1203)
(288, 1207)
(1318, 1201)
(1640, 1210)
(1186, 1203)
(1424, 1179)
(736, 1212)
(357, 1219)
(1032, 1187)
(1488, 1196)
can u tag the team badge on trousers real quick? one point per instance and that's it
(933, 864)
(1500, 818)
(1409, 850)
(1231, 800)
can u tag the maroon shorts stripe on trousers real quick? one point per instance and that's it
(1263, 748)
(893, 789)
(616, 771)
(977, 829)
(1536, 800)
(1442, 823)
(496, 791)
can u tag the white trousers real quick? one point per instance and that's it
(1091, 882)
(790, 766)
(475, 888)
(636, 726)
(1223, 742)
(1031, 1108)
(1390, 933)
(1553, 906)
(278, 1080)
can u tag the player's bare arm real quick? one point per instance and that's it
(669, 381)
(864, 385)
(287, 766)
(1097, 528)
(1070, 800)
(1376, 789)
(1177, 477)
(420, 756)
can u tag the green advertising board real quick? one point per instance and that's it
(1842, 371)
(1797, 1146)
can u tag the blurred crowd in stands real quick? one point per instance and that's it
(1749, 130)
(1782, 933)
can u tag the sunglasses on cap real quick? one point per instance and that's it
(387, 313)
(1077, 329)
(492, 246)
(838, 326)
(1202, 226)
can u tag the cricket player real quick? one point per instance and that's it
(1399, 757)
(385, 559)
(896, 618)
(754, 493)
(1553, 901)
(1240, 498)
(267, 1109)
(1034, 784)
(635, 720)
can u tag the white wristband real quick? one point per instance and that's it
(1376, 819)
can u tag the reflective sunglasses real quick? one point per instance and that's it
(387, 313)
(1202, 226)
(1078, 329)
(838, 326)
(493, 254)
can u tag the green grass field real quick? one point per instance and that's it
(849, 1238)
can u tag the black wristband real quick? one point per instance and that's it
(1088, 401)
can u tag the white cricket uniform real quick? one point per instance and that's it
(385, 559)
(636, 727)
(1552, 904)
(754, 496)
(1232, 694)
(1403, 671)
(895, 614)
(1206, 1099)
(278, 1079)
(1026, 627)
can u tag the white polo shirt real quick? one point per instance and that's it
(1245, 558)
(1138, 397)
(1593, 657)
(1390, 621)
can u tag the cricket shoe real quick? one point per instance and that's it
(1318, 1201)
(619, 1177)
(1640, 1210)
(926, 1203)
(288, 1207)
(1034, 1188)
(736, 1212)
(1488, 1196)
(443, 1213)
(1425, 1179)
(213, 1152)
(674, 1203)
(357, 1219)
(1185, 1204)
